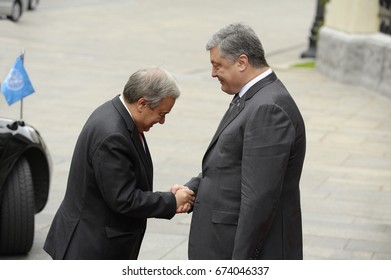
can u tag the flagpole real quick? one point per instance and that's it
(21, 109)
(21, 101)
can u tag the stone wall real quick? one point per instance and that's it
(362, 59)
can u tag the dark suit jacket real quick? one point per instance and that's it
(248, 198)
(109, 193)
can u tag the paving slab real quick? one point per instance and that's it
(80, 53)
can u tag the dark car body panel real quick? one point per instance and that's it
(18, 139)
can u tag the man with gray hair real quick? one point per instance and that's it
(247, 196)
(109, 193)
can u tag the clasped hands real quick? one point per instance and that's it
(184, 198)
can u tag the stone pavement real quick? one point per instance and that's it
(79, 55)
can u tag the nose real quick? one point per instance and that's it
(162, 120)
(214, 73)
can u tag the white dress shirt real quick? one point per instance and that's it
(254, 81)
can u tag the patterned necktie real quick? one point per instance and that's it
(234, 102)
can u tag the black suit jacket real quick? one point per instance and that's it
(248, 198)
(109, 193)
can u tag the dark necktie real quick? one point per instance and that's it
(234, 102)
(141, 139)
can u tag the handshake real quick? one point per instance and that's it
(184, 198)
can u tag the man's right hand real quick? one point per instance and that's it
(184, 199)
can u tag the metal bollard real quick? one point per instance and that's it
(318, 22)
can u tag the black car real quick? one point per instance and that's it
(25, 170)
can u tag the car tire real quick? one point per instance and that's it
(17, 211)
(16, 12)
(33, 4)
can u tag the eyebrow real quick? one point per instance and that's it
(164, 112)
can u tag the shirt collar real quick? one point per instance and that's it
(126, 107)
(254, 81)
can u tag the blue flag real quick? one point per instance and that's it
(17, 84)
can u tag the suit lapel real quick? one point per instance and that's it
(147, 153)
(228, 117)
(232, 113)
(143, 154)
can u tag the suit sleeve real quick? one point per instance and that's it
(194, 183)
(268, 137)
(121, 179)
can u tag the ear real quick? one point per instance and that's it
(141, 104)
(242, 62)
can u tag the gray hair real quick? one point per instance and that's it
(151, 83)
(237, 39)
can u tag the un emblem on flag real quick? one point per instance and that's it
(15, 80)
(17, 84)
